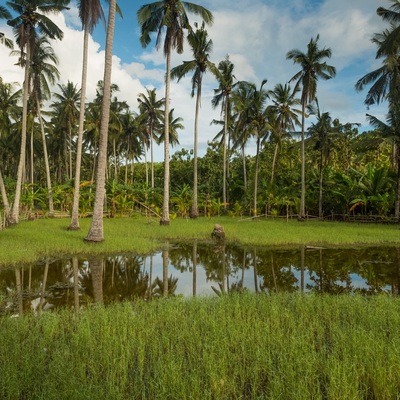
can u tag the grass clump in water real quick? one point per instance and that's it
(246, 346)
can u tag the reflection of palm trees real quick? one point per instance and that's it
(96, 272)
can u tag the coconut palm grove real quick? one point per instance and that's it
(62, 155)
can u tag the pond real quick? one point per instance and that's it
(197, 269)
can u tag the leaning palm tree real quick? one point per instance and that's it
(90, 11)
(222, 96)
(169, 16)
(151, 113)
(96, 233)
(31, 17)
(312, 68)
(201, 47)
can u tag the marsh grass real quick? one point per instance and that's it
(235, 347)
(30, 240)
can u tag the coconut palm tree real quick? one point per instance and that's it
(44, 71)
(201, 47)
(169, 16)
(31, 17)
(151, 112)
(222, 96)
(96, 233)
(312, 69)
(90, 11)
(66, 107)
(284, 101)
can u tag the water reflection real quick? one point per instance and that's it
(197, 268)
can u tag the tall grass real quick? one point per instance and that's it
(236, 347)
(30, 240)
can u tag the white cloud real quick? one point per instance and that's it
(257, 34)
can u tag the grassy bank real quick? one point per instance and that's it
(30, 240)
(234, 347)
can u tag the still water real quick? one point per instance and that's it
(197, 269)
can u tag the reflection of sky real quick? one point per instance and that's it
(204, 286)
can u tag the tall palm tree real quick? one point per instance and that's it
(201, 47)
(323, 133)
(44, 71)
(284, 101)
(312, 69)
(90, 11)
(67, 108)
(222, 96)
(151, 112)
(169, 16)
(96, 233)
(31, 16)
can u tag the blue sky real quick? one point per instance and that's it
(256, 34)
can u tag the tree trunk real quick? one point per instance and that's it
(274, 162)
(165, 254)
(14, 217)
(321, 178)
(165, 212)
(152, 156)
(46, 162)
(6, 204)
(224, 154)
(95, 233)
(195, 207)
(74, 224)
(256, 179)
(303, 167)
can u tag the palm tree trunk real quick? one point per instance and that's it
(165, 254)
(74, 224)
(152, 156)
(195, 208)
(321, 175)
(224, 154)
(274, 162)
(96, 272)
(165, 212)
(46, 162)
(303, 169)
(6, 204)
(397, 199)
(14, 217)
(256, 179)
(95, 233)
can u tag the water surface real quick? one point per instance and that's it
(197, 269)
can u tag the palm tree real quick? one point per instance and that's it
(201, 47)
(151, 113)
(8, 107)
(95, 233)
(312, 68)
(67, 109)
(174, 125)
(90, 11)
(323, 133)
(43, 72)
(222, 96)
(169, 16)
(390, 130)
(31, 16)
(284, 100)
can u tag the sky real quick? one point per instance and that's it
(256, 34)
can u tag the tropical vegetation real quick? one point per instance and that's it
(88, 157)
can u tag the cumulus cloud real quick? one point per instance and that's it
(257, 34)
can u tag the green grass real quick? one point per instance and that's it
(30, 240)
(236, 347)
